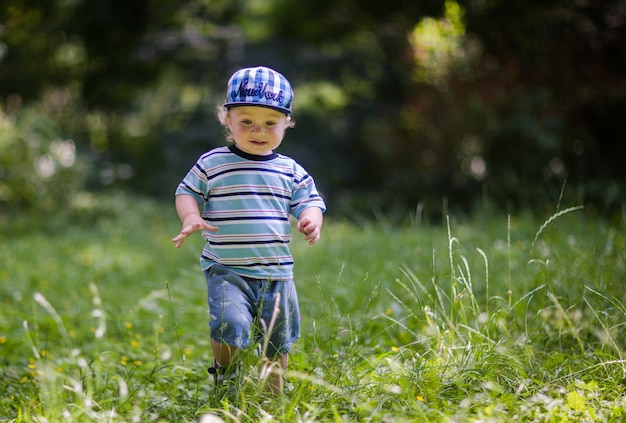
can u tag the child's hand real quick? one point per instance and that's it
(191, 225)
(311, 229)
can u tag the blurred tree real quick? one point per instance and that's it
(28, 46)
(110, 47)
(38, 170)
(396, 103)
(119, 76)
(553, 73)
(370, 143)
(508, 97)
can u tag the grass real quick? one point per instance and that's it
(490, 318)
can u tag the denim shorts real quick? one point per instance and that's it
(248, 311)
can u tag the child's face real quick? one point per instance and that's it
(257, 130)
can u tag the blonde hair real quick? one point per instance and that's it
(222, 116)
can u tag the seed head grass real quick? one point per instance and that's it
(485, 318)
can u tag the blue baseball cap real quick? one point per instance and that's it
(259, 86)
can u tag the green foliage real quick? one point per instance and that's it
(395, 105)
(493, 318)
(39, 171)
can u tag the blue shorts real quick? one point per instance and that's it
(245, 311)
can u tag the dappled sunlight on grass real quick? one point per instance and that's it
(486, 319)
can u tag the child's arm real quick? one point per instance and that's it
(310, 224)
(187, 209)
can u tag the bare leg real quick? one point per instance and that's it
(274, 372)
(223, 353)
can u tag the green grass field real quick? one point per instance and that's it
(493, 318)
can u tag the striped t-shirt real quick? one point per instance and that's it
(249, 198)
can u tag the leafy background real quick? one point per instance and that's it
(399, 104)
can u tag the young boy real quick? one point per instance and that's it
(247, 192)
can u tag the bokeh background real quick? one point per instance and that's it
(401, 105)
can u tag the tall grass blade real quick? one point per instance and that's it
(484, 256)
(42, 301)
(550, 220)
(175, 323)
(607, 333)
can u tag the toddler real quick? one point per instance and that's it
(241, 197)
